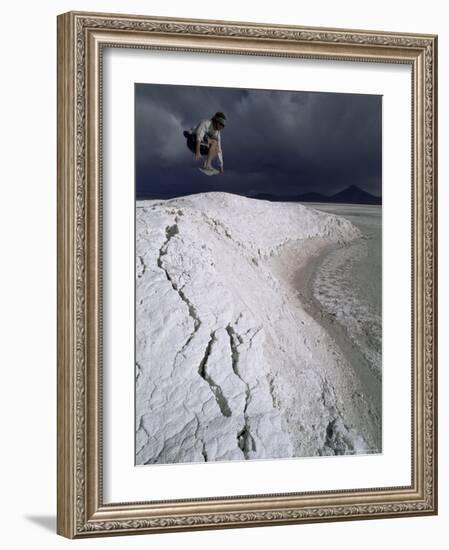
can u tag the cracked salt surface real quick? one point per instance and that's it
(229, 366)
(349, 284)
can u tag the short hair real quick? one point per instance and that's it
(219, 115)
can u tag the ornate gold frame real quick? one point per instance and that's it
(81, 37)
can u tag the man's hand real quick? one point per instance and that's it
(197, 155)
(221, 170)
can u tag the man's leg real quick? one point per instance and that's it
(213, 151)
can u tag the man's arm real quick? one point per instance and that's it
(220, 153)
(200, 131)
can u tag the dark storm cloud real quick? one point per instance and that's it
(277, 142)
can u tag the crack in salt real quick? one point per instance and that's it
(271, 389)
(204, 452)
(253, 336)
(170, 232)
(138, 371)
(215, 388)
(235, 360)
(245, 441)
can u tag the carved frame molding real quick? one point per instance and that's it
(81, 39)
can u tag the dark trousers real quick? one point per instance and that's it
(191, 143)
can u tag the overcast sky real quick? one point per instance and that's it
(279, 142)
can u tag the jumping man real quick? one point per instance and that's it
(205, 139)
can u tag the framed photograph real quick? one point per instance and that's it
(246, 274)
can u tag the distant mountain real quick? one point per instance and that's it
(354, 194)
(351, 194)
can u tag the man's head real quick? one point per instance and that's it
(219, 120)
